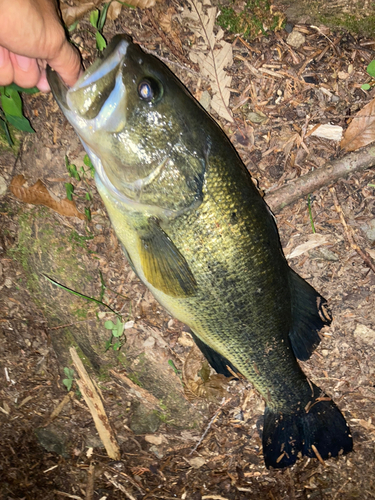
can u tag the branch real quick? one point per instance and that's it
(293, 191)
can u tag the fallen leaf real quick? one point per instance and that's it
(71, 14)
(314, 240)
(155, 439)
(328, 131)
(38, 194)
(361, 130)
(213, 55)
(114, 10)
(197, 462)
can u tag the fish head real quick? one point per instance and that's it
(140, 128)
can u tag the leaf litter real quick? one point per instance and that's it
(343, 364)
(211, 53)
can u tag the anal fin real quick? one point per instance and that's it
(216, 360)
(310, 313)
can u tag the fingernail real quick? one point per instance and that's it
(23, 62)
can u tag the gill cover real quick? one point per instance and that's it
(130, 114)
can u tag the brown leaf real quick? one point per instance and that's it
(114, 10)
(361, 130)
(72, 14)
(198, 382)
(38, 194)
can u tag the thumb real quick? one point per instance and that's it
(67, 63)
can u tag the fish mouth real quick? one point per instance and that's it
(78, 101)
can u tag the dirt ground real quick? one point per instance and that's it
(208, 446)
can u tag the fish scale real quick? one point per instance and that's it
(198, 234)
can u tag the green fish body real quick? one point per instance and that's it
(199, 235)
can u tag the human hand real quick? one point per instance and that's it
(32, 36)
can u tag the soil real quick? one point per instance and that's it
(205, 441)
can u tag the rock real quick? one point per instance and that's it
(145, 421)
(3, 186)
(295, 39)
(51, 441)
(369, 229)
(364, 333)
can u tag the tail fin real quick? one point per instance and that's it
(286, 436)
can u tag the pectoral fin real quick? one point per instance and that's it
(163, 265)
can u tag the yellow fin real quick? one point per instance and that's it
(163, 265)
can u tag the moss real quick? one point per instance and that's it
(354, 24)
(251, 20)
(134, 378)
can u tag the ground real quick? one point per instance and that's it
(204, 441)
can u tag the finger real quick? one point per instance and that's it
(6, 68)
(26, 71)
(43, 84)
(67, 64)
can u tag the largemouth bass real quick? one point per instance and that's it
(199, 235)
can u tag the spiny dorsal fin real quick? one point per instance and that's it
(163, 265)
(310, 313)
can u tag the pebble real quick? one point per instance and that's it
(296, 39)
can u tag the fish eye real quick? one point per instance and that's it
(149, 90)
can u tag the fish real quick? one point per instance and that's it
(199, 235)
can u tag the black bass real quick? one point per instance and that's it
(200, 237)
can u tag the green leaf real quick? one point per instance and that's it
(69, 372)
(88, 214)
(69, 190)
(100, 41)
(117, 346)
(108, 345)
(68, 382)
(109, 325)
(88, 196)
(103, 15)
(4, 126)
(20, 122)
(11, 102)
(366, 86)
(13, 86)
(94, 17)
(73, 26)
(371, 68)
(87, 161)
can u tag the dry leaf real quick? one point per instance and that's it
(165, 22)
(196, 462)
(38, 194)
(114, 10)
(314, 240)
(361, 130)
(142, 4)
(213, 55)
(72, 14)
(197, 378)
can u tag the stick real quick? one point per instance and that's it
(349, 233)
(293, 191)
(95, 404)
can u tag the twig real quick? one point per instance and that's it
(289, 193)
(95, 404)
(56, 412)
(90, 482)
(209, 425)
(349, 233)
(317, 454)
(66, 495)
(119, 486)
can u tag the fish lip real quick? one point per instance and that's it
(111, 58)
(58, 87)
